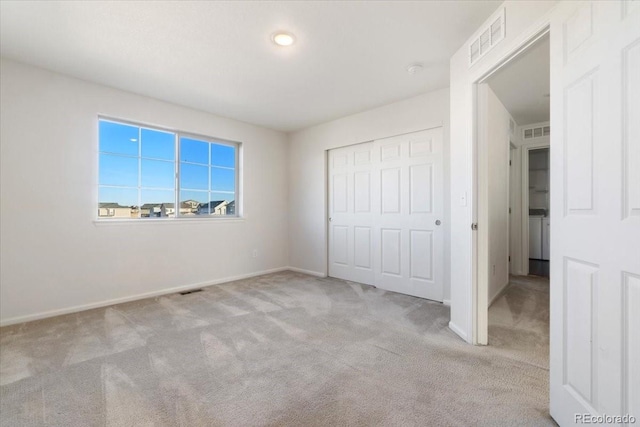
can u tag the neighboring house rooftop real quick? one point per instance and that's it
(212, 204)
(111, 205)
(183, 205)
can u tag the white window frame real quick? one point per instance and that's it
(178, 134)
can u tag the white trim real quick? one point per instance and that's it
(535, 125)
(455, 328)
(171, 220)
(446, 302)
(498, 294)
(539, 31)
(309, 272)
(75, 309)
(481, 215)
(472, 328)
(541, 28)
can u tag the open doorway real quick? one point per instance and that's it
(593, 269)
(513, 176)
(535, 196)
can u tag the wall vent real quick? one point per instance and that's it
(488, 37)
(536, 132)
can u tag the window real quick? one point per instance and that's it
(152, 173)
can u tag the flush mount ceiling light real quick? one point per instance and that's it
(282, 38)
(414, 68)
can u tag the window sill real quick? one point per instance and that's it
(107, 222)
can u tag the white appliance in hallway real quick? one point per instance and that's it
(539, 237)
(546, 237)
(535, 236)
(385, 214)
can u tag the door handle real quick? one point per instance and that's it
(438, 222)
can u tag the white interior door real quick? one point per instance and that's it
(353, 195)
(410, 218)
(595, 240)
(385, 210)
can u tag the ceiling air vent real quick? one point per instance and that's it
(487, 37)
(536, 132)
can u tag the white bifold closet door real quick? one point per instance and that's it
(385, 213)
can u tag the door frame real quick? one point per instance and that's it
(514, 161)
(480, 241)
(525, 149)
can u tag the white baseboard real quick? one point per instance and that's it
(75, 309)
(459, 331)
(497, 295)
(309, 272)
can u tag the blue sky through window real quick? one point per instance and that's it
(157, 174)
(118, 138)
(158, 144)
(194, 177)
(194, 151)
(137, 166)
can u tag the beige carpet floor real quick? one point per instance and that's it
(278, 350)
(519, 321)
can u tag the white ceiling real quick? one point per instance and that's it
(218, 56)
(523, 83)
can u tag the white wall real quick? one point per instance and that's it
(493, 185)
(56, 259)
(307, 177)
(523, 19)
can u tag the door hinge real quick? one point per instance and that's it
(474, 226)
(509, 210)
(509, 162)
(509, 258)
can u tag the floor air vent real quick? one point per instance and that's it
(192, 291)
